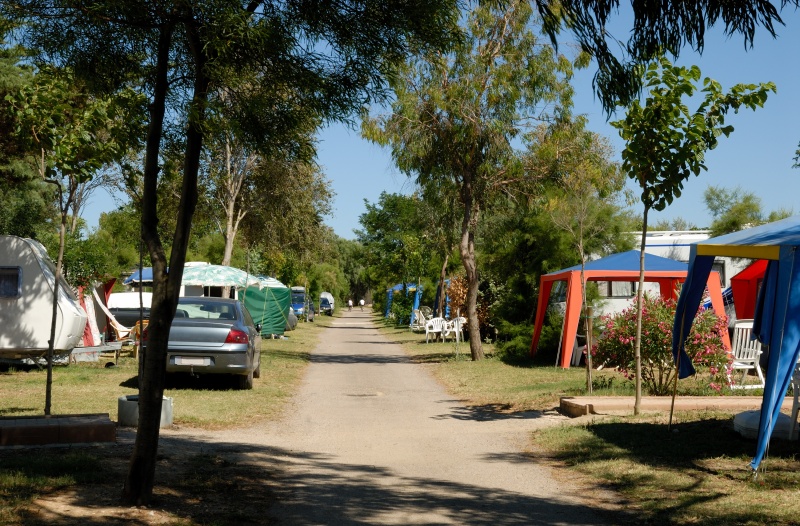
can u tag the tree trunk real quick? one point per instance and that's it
(442, 289)
(138, 486)
(48, 396)
(639, 295)
(467, 249)
(230, 208)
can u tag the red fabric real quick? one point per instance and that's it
(744, 287)
(108, 286)
(88, 339)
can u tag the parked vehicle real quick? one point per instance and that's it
(214, 336)
(298, 301)
(27, 281)
(325, 306)
(291, 321)
(329, 297)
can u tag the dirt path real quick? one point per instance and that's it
(373, 439)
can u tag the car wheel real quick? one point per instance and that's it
(246, 381)
(257, 370)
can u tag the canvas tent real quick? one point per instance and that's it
(27, 281)
(744, 287)
(777, 311)
(410, 287)
(624, 266)
(268, 304)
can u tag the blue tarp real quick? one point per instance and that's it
(777, 315)
(629, 261)
(147, 277)
(410, 287)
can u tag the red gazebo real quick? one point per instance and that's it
(624, 266)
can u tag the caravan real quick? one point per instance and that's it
(27, 280)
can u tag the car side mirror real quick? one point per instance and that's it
(258, 328)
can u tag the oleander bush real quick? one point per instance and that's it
(704, 345)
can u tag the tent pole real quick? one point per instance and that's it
(561, 339)
(677, 368)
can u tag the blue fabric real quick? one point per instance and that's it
(147, 276)
(785, 232)
(399, 287)
(629, 261)
(686, 310)
(776, 315)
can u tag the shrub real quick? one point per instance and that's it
(402, 303)
(704, 345)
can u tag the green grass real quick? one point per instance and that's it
(208, 402)
(494, 382)
(696, 474)
(205, 402)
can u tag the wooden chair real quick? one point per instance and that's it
(136, 334)
(434, 326)
(746, 354)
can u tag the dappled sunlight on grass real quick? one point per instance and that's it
(697, 473)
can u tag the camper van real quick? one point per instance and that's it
(298, 301)
(676, 244)
(326, 305)
(27, 282)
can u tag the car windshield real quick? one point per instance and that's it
(205, 310)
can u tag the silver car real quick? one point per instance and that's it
(215, 336)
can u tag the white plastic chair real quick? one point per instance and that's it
(434, 326)
(455, 327)
(419, 321)
(746, 354)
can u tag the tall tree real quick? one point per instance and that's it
(586, 198)
(75, 135)
(457, 116)
(737, 209)
(391, 237)
(666, 143)
(328, 57)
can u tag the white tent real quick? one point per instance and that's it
(27, 281)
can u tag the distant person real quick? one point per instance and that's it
(350, 304)
(361, 303)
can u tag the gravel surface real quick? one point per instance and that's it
(372, 438)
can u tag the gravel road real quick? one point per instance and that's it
(372, 438)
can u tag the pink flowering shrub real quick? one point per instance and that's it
(704, 345)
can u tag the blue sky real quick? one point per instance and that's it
(757, 157)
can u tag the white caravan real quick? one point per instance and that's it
(27, 279)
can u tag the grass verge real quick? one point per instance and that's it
(697, 474)
(208, 402)
(195, 488)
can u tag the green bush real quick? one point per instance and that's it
(704, 345)
(402, 302)
(514, 341)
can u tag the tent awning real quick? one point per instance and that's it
(777, 310)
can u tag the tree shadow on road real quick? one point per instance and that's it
(204, 482)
